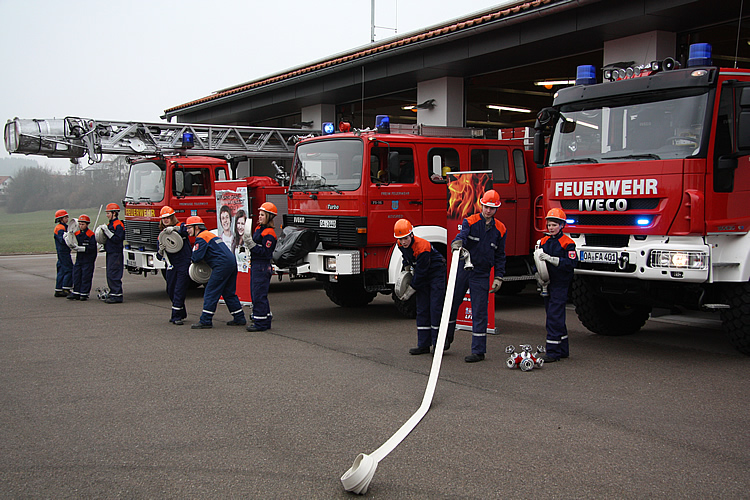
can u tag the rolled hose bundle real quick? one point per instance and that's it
(200, 272)
(357, 478)
(172, 242)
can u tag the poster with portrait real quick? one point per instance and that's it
(464, 192)
(232, 209)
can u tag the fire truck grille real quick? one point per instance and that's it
(334, 231)
(607, 240)
(142, 234)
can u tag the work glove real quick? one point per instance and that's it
(169, 229)
(107, 230)
(545, 257)
(161, 250)
(456, 245)
(79, 248)
(408, 293)
(496, 284)
(247, 237)
(249, 241)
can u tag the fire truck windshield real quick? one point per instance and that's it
(630, 129)
(328, 165)
(146, 182)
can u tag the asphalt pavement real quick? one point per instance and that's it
(112, 401)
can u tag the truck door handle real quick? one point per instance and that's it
(415, 202)
(511, 201)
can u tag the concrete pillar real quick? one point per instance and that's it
(643, 48)
(319, 114)
(448, 93)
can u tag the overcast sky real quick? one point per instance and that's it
(131, 60)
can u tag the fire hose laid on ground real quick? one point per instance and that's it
(357, 478)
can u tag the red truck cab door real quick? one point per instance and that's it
(393, 192)
(512, 195)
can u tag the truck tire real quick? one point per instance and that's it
(603, 316)
(407, 308)
(736, 320)
(348, 294)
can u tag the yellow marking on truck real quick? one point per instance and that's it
(140, 212)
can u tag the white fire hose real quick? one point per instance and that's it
(357, 478)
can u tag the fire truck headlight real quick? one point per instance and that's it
(150, 260)
(672, 259)
(329, 263)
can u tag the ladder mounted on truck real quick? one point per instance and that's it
(73, 137)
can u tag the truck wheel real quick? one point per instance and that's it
(736, 320)
(408, 308)
(604, 316)
(348, 294)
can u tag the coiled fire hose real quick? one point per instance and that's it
(357, 478)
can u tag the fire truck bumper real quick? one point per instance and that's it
(334, 262)
(142, 262)
(655, 258)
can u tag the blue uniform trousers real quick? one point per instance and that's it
(178, 282)
(64, 279)
(223, 282)
(557, 332)
(260, 282)
(429, 310)
(83, 274)
(479, 286)
(114, 275)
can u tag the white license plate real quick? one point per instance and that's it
(130, 263)
(328, 223)
(598, 257)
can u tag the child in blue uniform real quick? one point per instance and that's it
(560, 256)
(261, 246)
(177, 274)
(83, 269)
(223, 281)
(115, 232)
(64, 281)
(428, 283)
(484, 237)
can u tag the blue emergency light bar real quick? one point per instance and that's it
(328, 128)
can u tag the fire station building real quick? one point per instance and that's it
(489, 70)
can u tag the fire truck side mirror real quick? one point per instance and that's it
(539, 148)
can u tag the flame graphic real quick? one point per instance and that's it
(465, 192)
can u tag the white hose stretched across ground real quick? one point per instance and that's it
(357, 478)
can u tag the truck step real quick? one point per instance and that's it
(715, 306)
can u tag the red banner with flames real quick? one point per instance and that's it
(464, 192)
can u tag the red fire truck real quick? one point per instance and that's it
(170, 164)
(351, 187)
(652, 168)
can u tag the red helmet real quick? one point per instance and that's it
(112, 207)
(194, 220)
(490, 199)
(402, 228)
(61, 213)
(166, 212)
(84, 218)
(270, 208)
(557, 215)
